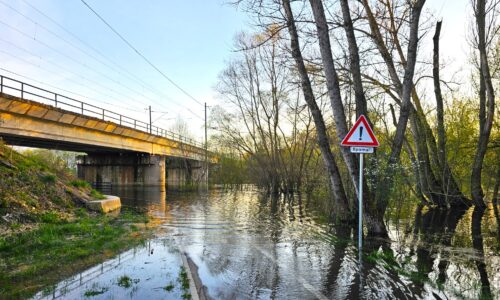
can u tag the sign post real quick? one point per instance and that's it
(361, 140)
(360, 202)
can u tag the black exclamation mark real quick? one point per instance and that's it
(360, 132)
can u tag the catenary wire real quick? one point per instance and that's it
(26, 35)
(140, 54)
(121, 71)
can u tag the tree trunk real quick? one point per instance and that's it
(439, 96)
(374, 219)
(332, 83)
(404, 90)
(407, 87)
(486, 106)
(355, 68)
(324, 144)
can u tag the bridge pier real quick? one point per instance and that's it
(122, 169)
(184, 173)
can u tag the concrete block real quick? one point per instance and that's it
(101, 126)
(110, 127)
(4, 103)
(118, 130)
(37, 111)
(19, 107)
(105, 205)
(80, 121)
(53, 115)
(67, 118)
(91, 123)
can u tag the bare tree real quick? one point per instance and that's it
(483, 11)
(268, 107)
(336, 184)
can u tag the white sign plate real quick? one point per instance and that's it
(361, 149)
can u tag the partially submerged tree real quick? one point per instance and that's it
(259, 87)
(374, 59)
(483, 11)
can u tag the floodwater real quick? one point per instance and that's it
(247, 245)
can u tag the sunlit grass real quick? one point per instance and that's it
(34, 259)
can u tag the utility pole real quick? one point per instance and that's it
(150, 122)
(206, 147)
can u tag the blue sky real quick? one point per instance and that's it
(188, 40)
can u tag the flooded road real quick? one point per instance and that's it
(249, 246)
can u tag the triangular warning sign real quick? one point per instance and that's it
(361, 134)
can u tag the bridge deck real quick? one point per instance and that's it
(29, 123)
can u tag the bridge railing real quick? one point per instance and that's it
(27, 91)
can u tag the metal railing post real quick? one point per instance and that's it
(55, 100)
(1, 84)
(82, 108)
(103, 113)
(120, 119)
(22, 90)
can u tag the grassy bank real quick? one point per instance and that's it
(46, 234)
(58, 247)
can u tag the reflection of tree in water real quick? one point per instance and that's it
(377, 280)
(258, 246)
(435, 232)
(335, 262)
(477, 242)
(274, 257)
(251, 259)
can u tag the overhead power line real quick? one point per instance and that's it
(64, 90)
(140, 54)
(73, 81)
(112, 66)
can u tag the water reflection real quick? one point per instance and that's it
(248, 245)
(477, 242)
(150, 269)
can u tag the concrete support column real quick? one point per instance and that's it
(122, 169)
(184, 173)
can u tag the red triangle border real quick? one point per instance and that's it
(361, 119)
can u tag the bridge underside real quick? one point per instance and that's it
(140, 169)
(115, 154)
(16, 140)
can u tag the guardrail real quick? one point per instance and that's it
(44, 96)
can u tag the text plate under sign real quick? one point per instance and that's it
(361, 149)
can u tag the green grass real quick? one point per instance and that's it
(184, 281)
(170, 287)
(51, 217)
(126, 282)
(96, 194)
(32, 260)
(95, 290)
(80, 183)
(49, 178)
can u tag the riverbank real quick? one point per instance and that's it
(35, 259)
(46, 233)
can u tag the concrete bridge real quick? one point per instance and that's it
(120, 150)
